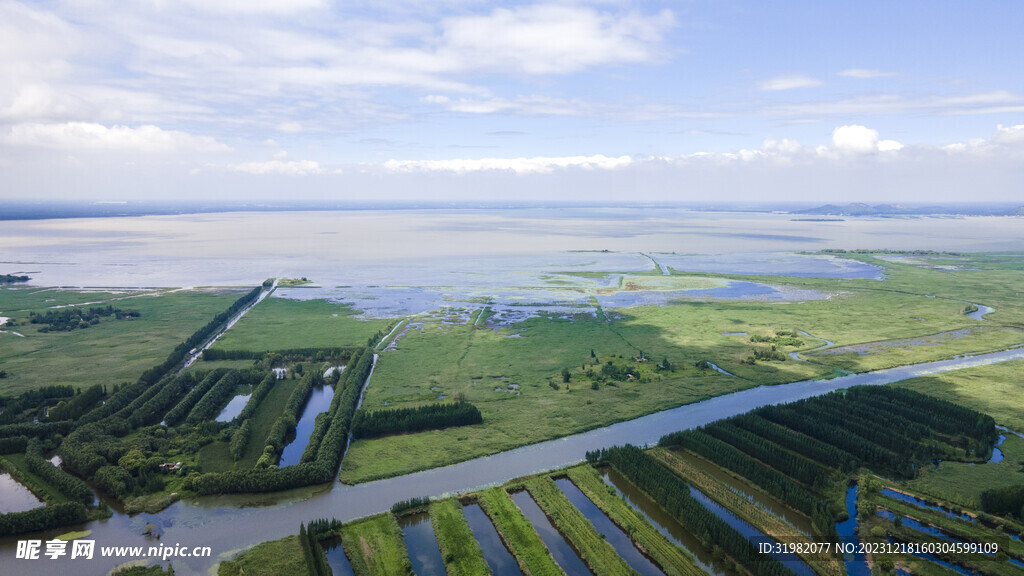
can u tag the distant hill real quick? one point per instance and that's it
(862, 209)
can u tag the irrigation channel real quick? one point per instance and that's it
(232, 523)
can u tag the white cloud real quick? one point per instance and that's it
(88, 136)
(521, 105)
(856, 139)
(518, 165)
(863, 73)
(788, 83)
(998, 102)
(289, 127)
(552, 39)
(1011, 135)
(889, 146)
(276, 7)
(294, 168)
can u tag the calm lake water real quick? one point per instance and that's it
(459, 247)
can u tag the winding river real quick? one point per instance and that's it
(228, 524)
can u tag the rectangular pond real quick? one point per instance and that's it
(15, 497)
(608, 530)
(560, 550)
(420, 541)
(498, 557)
(319, 401)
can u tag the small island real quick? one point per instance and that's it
(12, 279)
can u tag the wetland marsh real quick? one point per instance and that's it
(565, 342)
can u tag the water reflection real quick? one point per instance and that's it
(856, 560)
(606, 528)
(755, 536)
(498, 557)
(664, 522)
(560, 550)
(319, 401)
(336, 558)
(233, 408)
(890, 493)
(418, 531)
(15, 497)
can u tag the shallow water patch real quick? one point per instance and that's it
(498, 557)
(319, 401)
(15, 497)
(608, 530)
(560, 550)
(424, 553)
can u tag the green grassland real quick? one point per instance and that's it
(882, 324)
(276, 558)
(472, 363)
(963, 484)
(263, 420)
(110, 352)
(996, 390)
(672, 559)
(459, 548)
(375, 547)
(597, 553)
(518, 533)
(283, 324)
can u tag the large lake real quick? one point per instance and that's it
(451, 247)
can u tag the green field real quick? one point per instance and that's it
(283, 324)
(109, 353)
(267, 412)
(996, 390)
(460, 550)
(598, 554)
(913, 316)
(672, 559)
(518, 533)
(963, 484)
(375, 547)
(276, 558)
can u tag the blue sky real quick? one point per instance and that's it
(465, 100)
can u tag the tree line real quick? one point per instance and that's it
(67, 319)
(42, 518)
(154, 409)
(199, 337)
(330, 446)
(258, 394)
(728, 456)
(68, 485)
(310, 539)
(78, 404)
(285, 423)
(279, 357)
(18, 408)
(371, 424)
(184, 406)
(214, 400)
(673, 494)
(796, 450)
(1003, 501)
